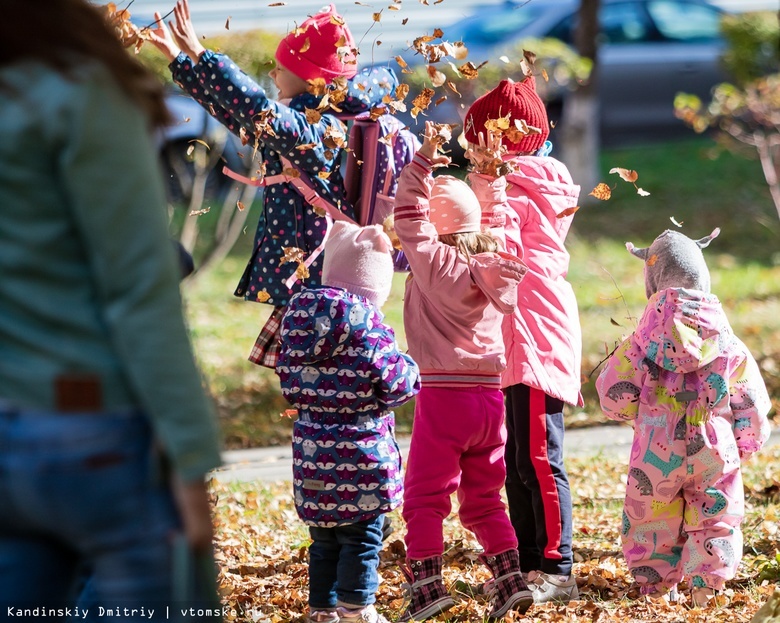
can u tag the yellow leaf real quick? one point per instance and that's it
(306, 45)
(263, 296)
(602, 191)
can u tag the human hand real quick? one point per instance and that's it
(192, 501)
(486, 158)
(184, 32)
(436, 135)
(162, 39)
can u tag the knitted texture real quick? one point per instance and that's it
(322, 47)
(675, 261)
(359, 260)
(455, 208)
(520, 101)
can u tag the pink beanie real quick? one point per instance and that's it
(359, 260)
(312, 50)
(455, 208)
(521, 102)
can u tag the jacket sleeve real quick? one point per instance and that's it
(236, 100)
(117, 203)
(396, 375)
(491, 193)
(620, 382)
(750, 404)
(429, 260)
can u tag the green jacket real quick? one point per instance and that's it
(88, 278)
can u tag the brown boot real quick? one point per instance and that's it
(428, 597)
(509, 590)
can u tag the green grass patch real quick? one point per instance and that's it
(688, 181)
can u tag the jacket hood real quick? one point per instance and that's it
(499, 286)
(365, 91)
(683, 330)
(321, 327)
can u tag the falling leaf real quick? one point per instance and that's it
(227, 23)
(302, 272)
(443, 98)
(437, 77)
(241, 207)
(641, 192)
(652, 260)
(469, 70)
(377, 17)
(615, 322)
(263, 296)
(306, 146)
(625, 174)
(323, 175)
(313, 116)
(503, 59)
(602, 191)
(292, 254)
(306, 45)
(403, 23)
(394, 8)
(568, 211)
(289, 413)
(277, 4)
(199, 212)
(291, 172)
(674, 220)
(317, 86)
(545, 76)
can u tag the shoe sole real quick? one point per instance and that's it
(437, 607)
(520, 602)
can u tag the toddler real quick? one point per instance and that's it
(340, 367)
(542, 337)
(699, 406)
(459, 288)
(290, 233)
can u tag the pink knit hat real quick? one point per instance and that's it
(455, 208)
(322, 47)
(521, 102)
(359, 260)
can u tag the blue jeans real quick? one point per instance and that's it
(84, 490)
(343, 564)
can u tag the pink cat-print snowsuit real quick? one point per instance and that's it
(699, 405)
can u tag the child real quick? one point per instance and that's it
(542, 338)
(458, 289)
(290, 232)
(699, 406)
(339, 365)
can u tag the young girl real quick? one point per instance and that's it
(542, 338)
(699, 406)
(459, 288)
(322, 48)
(339, 365)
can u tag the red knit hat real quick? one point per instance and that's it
(521, 102)
(322, 47)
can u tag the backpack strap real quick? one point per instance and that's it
(303, 185)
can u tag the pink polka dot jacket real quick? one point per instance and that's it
(236, 100)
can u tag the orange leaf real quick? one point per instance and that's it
(568, 212)
(625, 174)
(602, 191)
(652, 260)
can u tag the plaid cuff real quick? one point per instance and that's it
(265, 351)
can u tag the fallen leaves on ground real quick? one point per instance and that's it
(261, 550)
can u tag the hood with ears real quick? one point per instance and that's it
(675, 261)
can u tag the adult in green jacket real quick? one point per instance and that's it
(106, 433)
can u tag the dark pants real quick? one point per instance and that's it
(537, 486)
(343, 563)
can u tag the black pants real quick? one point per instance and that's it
(537, 486)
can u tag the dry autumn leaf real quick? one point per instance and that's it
(200, 212)
(652, 260)
(313, 116)
(568, 212)
(602, 191)
(263, 296)
(227, 23)
(625, 174)
(241, 207)
(437, 77)
(292, 254)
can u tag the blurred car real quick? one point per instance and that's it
(192, 125)
(649, 50)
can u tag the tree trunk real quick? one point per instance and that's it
(580, 127)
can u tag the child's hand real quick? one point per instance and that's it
(486, 158)
(432, 140)
(162, 39)
(184, 32)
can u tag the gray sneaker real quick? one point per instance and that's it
(548, 588)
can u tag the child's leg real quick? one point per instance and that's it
(715, 511)
(536, 475)
(483, 474)
(323, 568)
(358, 562)
(433, 470)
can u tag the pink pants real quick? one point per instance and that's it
(458, 442)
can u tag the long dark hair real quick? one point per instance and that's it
(63, 33)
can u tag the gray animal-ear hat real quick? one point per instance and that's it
(675, 261)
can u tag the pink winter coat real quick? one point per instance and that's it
(684, 364)
(453, 306)
(542, 337)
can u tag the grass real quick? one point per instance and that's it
(261, 548)
(688, 181)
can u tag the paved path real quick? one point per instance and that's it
(275, 464)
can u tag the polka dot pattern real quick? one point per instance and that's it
(235, 99)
